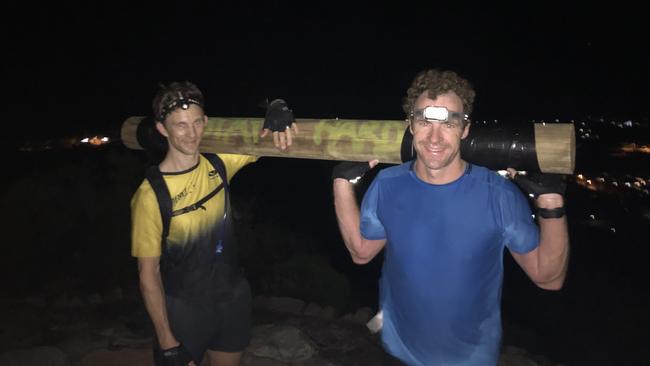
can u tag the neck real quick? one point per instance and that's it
(443, 175)
(177, 162)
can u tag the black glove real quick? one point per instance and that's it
(541, 183)
(176, 356)
(278, 116)
(350, 170)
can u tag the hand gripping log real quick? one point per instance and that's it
(543, 147)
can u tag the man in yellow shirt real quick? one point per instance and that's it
(192, 287)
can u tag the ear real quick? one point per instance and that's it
(465, 131)
(162, 129)
(411, 126)
(205, 119)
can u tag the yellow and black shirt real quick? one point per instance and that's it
(191, 263)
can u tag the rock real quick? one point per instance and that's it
(77, 346)
(362, 315)
(251, 360)
(118, 342)
(513, 356)
(124, 357)
(39, 356)
(313, 309)
(346, 318)
(280, 343)
(333, 337)
(285, 305)
(329, 312)
(296, 335)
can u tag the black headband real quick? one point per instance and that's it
(181, 102)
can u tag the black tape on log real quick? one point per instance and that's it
(505, 146)
(496, 148)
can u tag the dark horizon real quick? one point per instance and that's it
(91, 66)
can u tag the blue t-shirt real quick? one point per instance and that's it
(440, 288)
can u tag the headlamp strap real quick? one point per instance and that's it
(181, 102)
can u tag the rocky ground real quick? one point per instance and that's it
(112, 329)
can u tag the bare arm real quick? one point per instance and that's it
(347, 215)
(153, 295)
(547, 264)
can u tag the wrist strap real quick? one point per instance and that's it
(551, 213)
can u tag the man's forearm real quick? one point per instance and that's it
(347, 215)
(153, 295)
(553, 252)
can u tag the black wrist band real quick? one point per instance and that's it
(551, 213)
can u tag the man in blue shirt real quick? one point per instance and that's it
(444, 224)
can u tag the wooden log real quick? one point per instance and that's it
(535, 147)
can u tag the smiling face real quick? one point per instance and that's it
(437, 144)
(183, 129)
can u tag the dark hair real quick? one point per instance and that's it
(437, 82)
(168, 97)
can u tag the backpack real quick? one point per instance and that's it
(155, 178)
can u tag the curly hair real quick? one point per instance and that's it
(437, 82)
(167, 95)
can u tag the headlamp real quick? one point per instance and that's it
(181, 102)
(438, 114)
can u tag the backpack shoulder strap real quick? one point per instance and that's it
(218, 164)
(155, 178)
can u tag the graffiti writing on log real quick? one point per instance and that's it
(332, 137)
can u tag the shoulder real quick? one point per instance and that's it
(395, 171)
(144, 195)
(495, 182)
(231, 162)
(235, 160)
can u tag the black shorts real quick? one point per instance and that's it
(224, 326)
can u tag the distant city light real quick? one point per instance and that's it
(95, 140)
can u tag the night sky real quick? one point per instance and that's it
(82, 68)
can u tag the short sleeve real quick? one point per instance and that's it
(234, 162)
(371, 226)
(520, 231)
(146, 223)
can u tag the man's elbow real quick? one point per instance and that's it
(363, 251)
(361, 260)
(553, 284)
(361, 257)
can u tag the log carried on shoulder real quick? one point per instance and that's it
(545, 147)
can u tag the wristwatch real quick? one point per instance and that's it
(551, 213)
